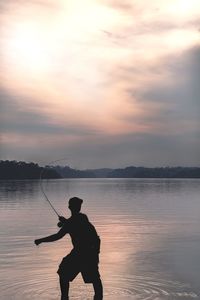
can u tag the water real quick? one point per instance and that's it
(150, 231)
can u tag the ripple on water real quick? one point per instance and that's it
(40, 288)
(118, 288)
(147, 288)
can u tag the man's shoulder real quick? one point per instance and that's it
(84, 217)
(79, 218)
(66, 223)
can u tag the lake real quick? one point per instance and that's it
(149, 228)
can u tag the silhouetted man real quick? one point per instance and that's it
(84, 257)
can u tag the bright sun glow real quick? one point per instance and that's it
(28, 48)
(35, 43)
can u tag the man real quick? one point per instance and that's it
(84, 256)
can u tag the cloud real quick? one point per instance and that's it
(131, 149)
(165, 93)
(180, 92)
(169, 117)
(17, 118)
(125, 5)
(120, 86)
(42, 3)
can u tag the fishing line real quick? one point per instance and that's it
(42, 188)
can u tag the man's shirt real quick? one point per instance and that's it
(83, 234)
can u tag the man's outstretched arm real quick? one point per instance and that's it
(51, 238)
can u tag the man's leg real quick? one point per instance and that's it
(64, 288)
(98, 289)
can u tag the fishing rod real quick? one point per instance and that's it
(42, 188)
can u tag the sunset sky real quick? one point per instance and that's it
(106, 83)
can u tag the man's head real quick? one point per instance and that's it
(75, 204)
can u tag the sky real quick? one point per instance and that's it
(101, 83)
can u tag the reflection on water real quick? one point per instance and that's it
(150, 231)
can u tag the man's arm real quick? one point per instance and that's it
(52, 238)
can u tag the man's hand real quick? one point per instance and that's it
(61, 222)
(62, 219)
(37, 242)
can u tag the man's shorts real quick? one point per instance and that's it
(75, 263)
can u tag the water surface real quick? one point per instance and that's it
(150, 232)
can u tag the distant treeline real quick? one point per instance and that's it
(165, 172)
(67, 172)
(23, 170)
(131, 172)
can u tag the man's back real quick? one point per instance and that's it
(83, 234)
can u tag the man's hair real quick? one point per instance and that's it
(75, 201)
